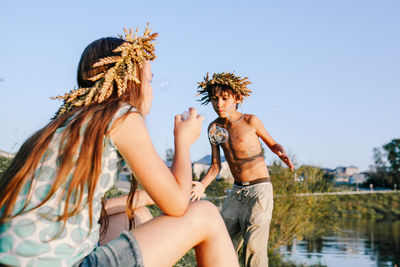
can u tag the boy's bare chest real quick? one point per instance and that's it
(240, 136)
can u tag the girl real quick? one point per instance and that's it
(50, 196)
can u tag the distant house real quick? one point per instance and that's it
(349, 174)
(204, 163)
(340, 171)
(201, 165)
(358, 178)
(351, 170)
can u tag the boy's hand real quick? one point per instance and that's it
(284, 157)
(197, 191)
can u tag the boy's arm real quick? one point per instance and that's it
(270, 142)
(199, 187)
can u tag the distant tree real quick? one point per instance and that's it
(4, 163)
(385, 172)
(393, 156)
(263, 150)
(379, 162)
(315, 179)
(217, 188)
(329, 178)
(202, 174)
(169, 154)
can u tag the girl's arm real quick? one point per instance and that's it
(270, 142)
(117, 204)
(170, 189)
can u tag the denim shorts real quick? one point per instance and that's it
(122, 251)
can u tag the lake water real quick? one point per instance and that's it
(359, 243)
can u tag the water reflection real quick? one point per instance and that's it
(359, 242)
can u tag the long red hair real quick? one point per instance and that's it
(96, 117)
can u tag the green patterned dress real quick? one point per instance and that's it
(34, 238)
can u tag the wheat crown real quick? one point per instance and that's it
(237, 84)
(133, 53)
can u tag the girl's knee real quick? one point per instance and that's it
(206, 214)
(204, 208)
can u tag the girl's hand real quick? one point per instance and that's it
(187, 130)
(197, 191)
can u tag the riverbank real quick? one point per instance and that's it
(356, 242)
(368, 206)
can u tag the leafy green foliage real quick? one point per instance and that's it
(375, 206)
(4, 163)
(294, 215)
(393, 155)
(188, 260)
(114, 192)
(218, 188)
(169, 154)
(386, 169)
(154, 210)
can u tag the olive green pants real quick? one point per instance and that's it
(247, 213)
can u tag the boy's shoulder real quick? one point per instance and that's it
(215, 122)
(253, 121)
(251, 118)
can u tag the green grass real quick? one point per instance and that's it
(368, 206)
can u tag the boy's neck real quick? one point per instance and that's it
(234, 117)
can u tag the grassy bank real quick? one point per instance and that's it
(369, 206)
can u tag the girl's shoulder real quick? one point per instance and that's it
(124, 110)
(126, 117)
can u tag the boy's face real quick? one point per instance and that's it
(224, 102)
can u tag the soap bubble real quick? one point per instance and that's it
(162, 84)
(218, 135)
(231, 111)
(185, 115)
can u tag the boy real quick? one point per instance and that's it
(247, 209)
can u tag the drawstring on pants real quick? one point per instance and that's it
(242, 194)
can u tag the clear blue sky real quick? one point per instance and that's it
(326, 74)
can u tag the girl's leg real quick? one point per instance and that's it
(119, 222)
(165, 239)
